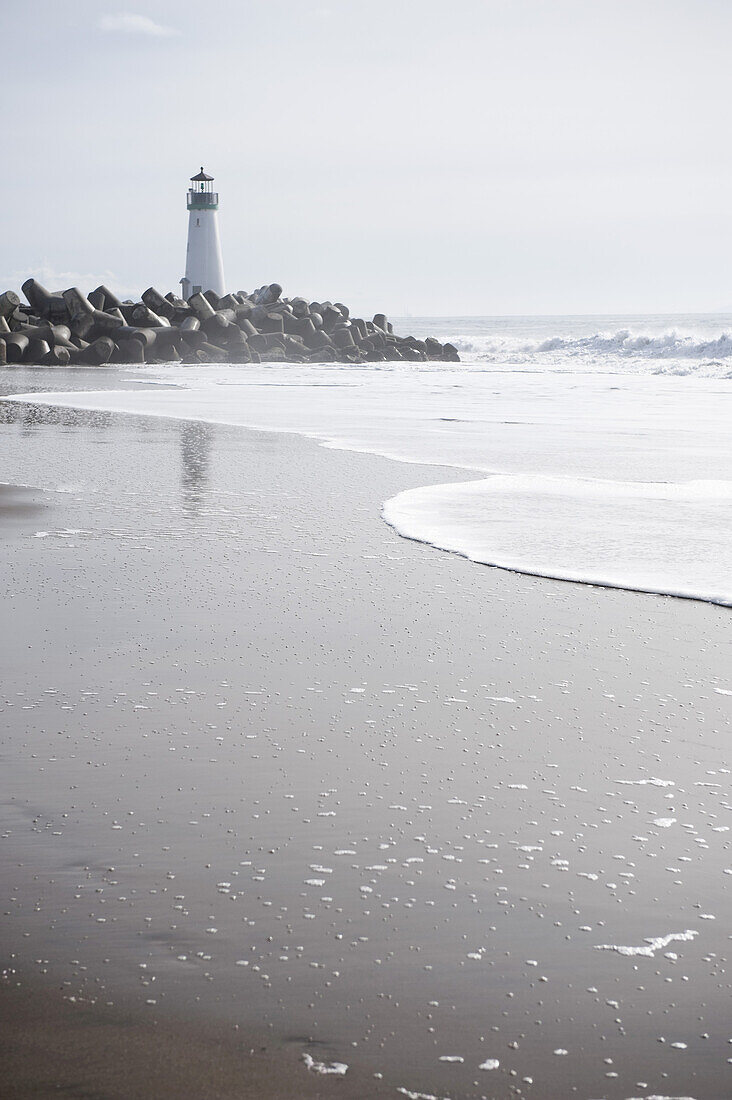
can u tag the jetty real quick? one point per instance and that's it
(73, 328)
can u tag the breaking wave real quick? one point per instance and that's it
(672, 351)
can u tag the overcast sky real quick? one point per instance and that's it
(454, 157)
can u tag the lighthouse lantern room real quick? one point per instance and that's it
(204, 265)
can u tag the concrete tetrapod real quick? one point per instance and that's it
(238, 327)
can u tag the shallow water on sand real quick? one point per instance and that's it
(604, 476)
(269, 768)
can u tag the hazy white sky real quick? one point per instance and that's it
(466, 156)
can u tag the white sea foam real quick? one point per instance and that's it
(337, 1068)
(651, 946)
(619, 478)
(417, 1095)
(646, 782)
(611, 533)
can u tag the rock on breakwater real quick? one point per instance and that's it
(56, 329)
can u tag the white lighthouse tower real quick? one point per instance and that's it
(204, 265)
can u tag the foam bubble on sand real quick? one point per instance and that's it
(337, 1068)
(655, 943)
(665, 822)
(647, 782)
(490, 1063)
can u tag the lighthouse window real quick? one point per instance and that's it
(198, 221)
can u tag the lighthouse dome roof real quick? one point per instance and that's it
(201, 177)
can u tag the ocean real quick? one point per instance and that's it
(596, 449)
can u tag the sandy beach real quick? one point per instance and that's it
(276, 780)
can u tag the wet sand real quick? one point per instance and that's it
(50, 1046)
(18, 506)
(269, 767)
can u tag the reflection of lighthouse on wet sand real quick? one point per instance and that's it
(204, 265)
(195, 451)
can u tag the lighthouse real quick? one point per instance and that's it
(204, 265)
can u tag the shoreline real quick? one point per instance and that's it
(220, 566)
(578, 519)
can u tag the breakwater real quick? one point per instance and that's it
(70, 327)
